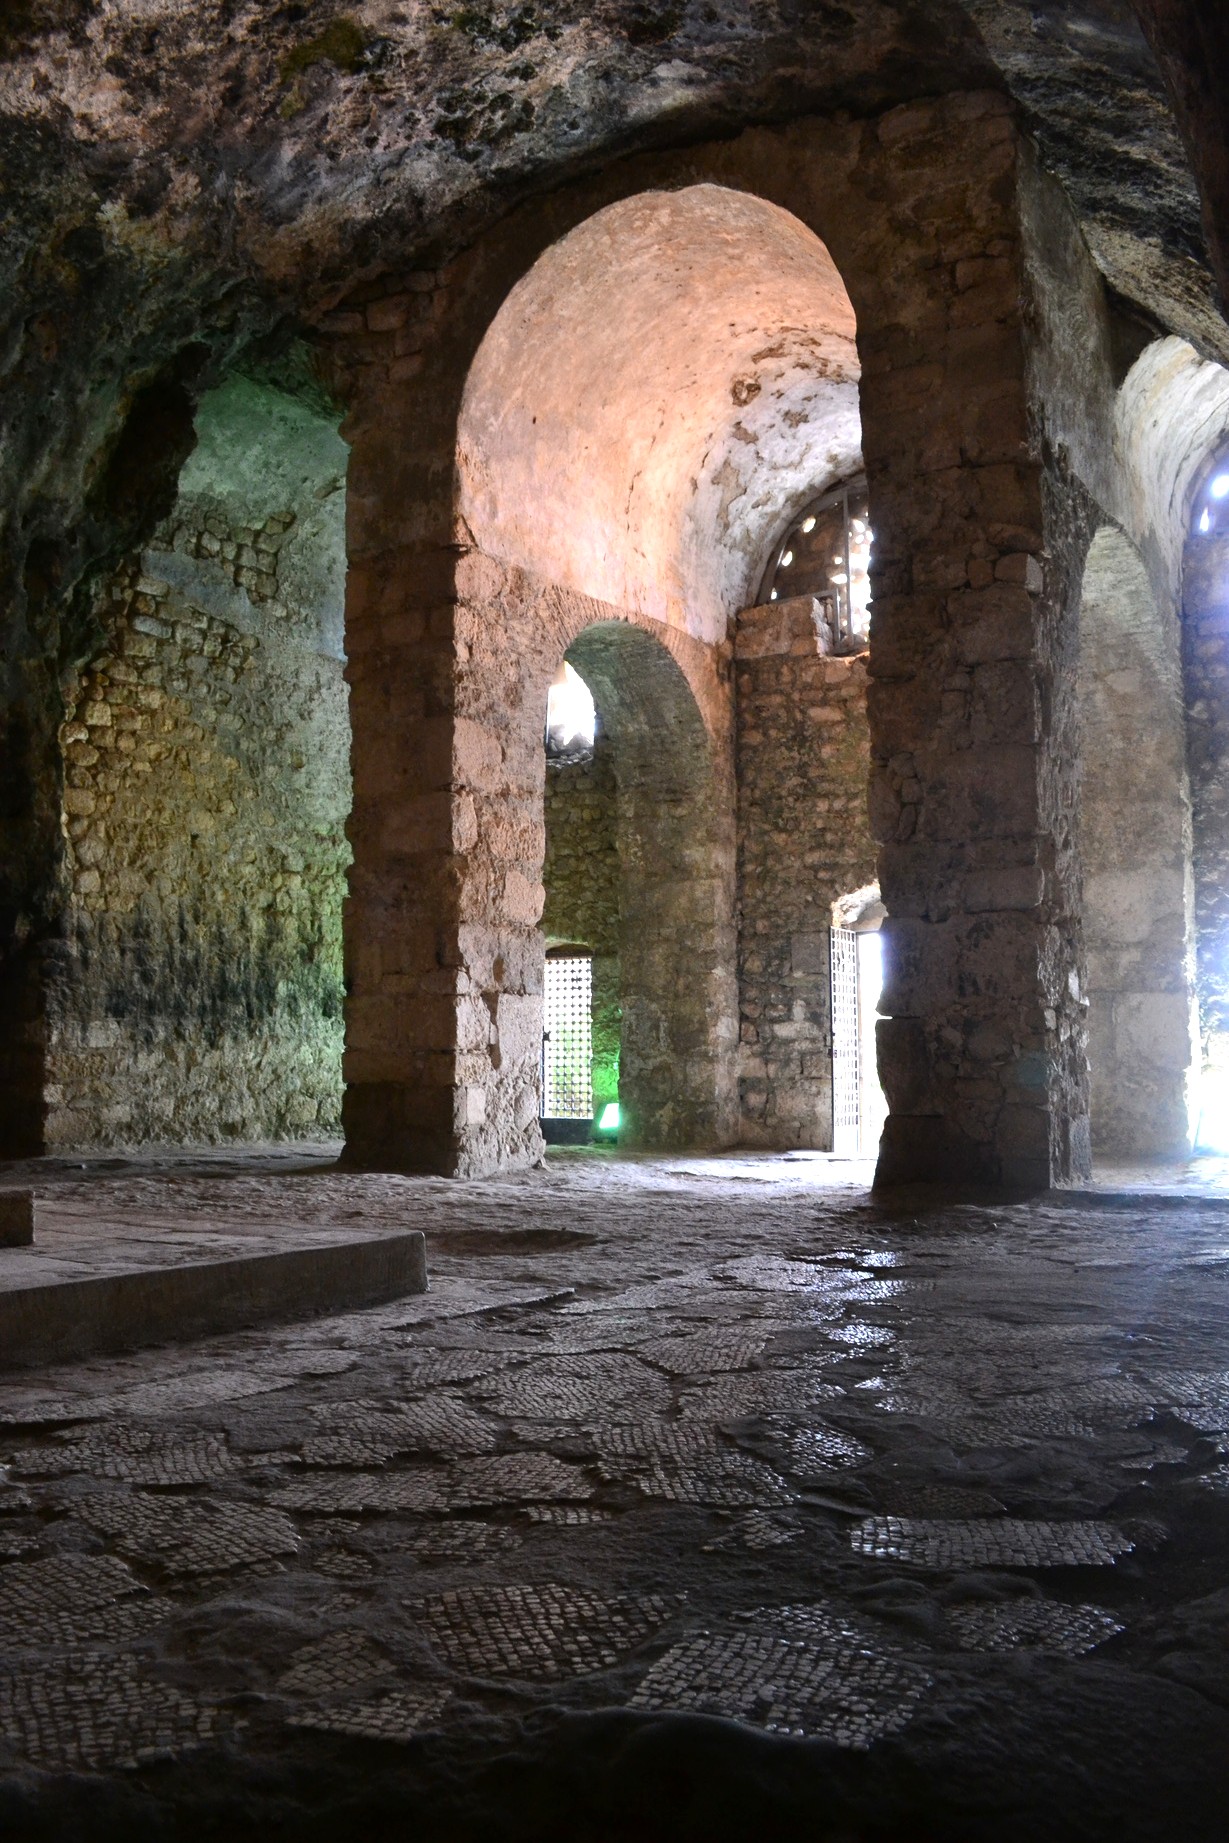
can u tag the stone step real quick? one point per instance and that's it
(94, 1282)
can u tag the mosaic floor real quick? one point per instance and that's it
(937, 1503)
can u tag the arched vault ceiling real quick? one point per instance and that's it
(654, 399)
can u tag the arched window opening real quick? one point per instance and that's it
(1210, 516)
(859, 1106)
(571, 720)
(1205, 627)
(825, 554)
(580, 1004)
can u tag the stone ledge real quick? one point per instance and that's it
(64, 1300)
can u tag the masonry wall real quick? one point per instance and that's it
(1206, 665)
(198, 994)
(581, 879)
(1135, 835)
(803, 754)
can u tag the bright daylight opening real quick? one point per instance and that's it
(570, 718)
(859, 1106)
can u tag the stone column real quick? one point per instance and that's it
(443, 956)
(971, 703)
(443, 953)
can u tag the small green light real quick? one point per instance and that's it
(609, 1120)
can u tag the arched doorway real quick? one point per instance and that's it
(666, 388)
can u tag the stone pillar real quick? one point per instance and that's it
(971, 702)
(443, 954)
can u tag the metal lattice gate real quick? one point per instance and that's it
(845, 1054)
(567, 1038)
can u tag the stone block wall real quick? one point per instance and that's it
(803, 758)
(1206, 665)
(199, 995)
(1135, 837)
(581, 879)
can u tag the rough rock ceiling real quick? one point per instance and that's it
(180, 178)
(290, 143)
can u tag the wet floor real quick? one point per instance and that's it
(697, 1498)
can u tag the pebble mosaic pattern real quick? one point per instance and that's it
(501, 1430)
(363, 1433)
(656, 1440)
(726, 1480)
(62, 1583)
(359, 1492)
(397, 1716)
(344, 1565)
(940, 1501)
(73, 1600)
(575, 1385)
(704, 1353)
(191, 1538)
(1033, 1625)
(544, 1631)
(1001, 1542)
(97, 1711)
(568, 1516)
(864, 1337)
(516, 1477)
(803, 1671)
(139, 1455)
(759, 1529)
(1203, 1395)
(759, 1393)
(465, 1539)
(338, 1662)
(810, 1452)
(432, 1368)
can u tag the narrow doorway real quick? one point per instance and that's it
(567, 1046)
(859, 1106)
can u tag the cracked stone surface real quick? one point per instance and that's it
(678, 1470)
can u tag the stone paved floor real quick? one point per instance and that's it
(697, 1498)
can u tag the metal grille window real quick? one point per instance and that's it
(845, 1048)
(567, 1038)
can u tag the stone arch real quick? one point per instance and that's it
(654, 396)
(920, 211)
(1135, 837)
